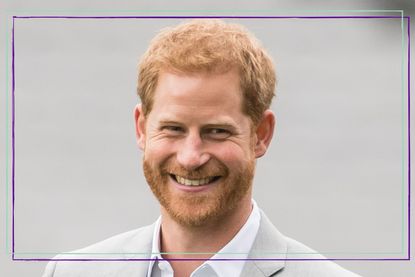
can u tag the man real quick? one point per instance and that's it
(205, 87)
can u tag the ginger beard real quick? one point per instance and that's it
(194, 210)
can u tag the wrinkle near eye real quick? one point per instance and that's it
(157, 135)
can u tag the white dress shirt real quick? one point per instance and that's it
(237, 248)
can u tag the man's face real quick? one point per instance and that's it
(198, 147)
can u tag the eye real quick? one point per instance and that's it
(172, 130)
(217, 133)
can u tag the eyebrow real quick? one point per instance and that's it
(164, 122)
(225, 125)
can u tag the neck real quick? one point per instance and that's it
(210, 237)
(204, 241)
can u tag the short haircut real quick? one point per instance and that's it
(210, 46)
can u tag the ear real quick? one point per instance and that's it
(140, 124)
(264, 133)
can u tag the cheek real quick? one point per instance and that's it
(231, 154)
(158, 150)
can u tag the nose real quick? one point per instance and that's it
(191, 154)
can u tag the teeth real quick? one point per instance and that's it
(197, 182)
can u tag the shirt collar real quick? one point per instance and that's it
(237, 248)
(155, 249)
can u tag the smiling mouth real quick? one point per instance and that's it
(194, 182)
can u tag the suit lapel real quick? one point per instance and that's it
(269, 244)
(139, 247)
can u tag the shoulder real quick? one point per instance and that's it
(106, 258)
(320, 266)
(295, 258)
(122, 244)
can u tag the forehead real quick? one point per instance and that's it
(217, 94)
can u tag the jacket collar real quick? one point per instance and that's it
(269, 244)
(139, 246)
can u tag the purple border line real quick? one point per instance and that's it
(409, 137)
(13, 139)
(212, 17)
(147, 260)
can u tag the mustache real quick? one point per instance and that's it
(210, 169)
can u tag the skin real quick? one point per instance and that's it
(196, 129)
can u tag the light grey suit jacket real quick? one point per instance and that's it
(269, 244)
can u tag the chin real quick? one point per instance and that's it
(194, 214)
(195, 209)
